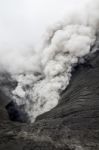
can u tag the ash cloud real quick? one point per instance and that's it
(44, 72)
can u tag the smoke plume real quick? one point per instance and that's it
(42, 74)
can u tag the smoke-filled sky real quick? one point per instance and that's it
(46, 68)
(22, 22)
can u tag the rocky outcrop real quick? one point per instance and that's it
(6, 85)
(72, 125)
(8, 108)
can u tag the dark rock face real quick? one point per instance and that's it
(8, 108)
(15, 113)
(6, 85)
(72, 125)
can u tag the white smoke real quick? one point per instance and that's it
(43, 73)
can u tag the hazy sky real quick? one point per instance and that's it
(22, 22)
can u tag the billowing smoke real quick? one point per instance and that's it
(44, 73)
